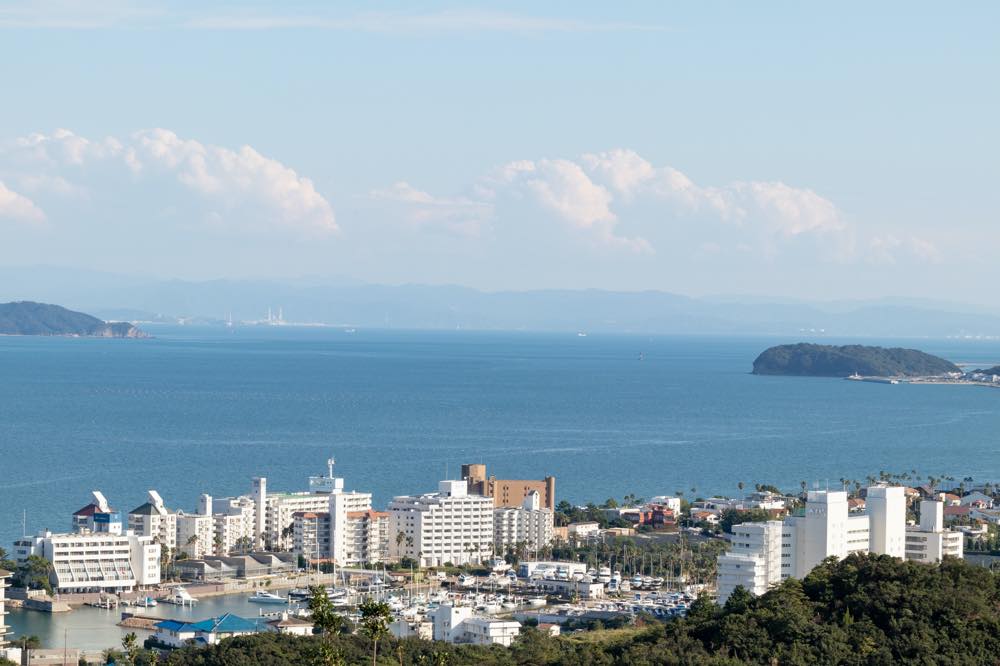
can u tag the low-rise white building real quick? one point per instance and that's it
(460, 624)
(88, 562)
(929, 541)
(583, 530)
(529, 526)
(447, 526)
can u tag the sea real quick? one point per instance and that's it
(203, 410)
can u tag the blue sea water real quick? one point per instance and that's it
(203, 410)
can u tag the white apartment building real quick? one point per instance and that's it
(152, 519)
(366, 537)
(930, 541)
(825, 529)
(195, 534)
(4, 575)
(754, 560)
(529, 526)
(460, 624)
(447, 526)
(235, 525)
(88, 562)
(344, 529)
(311, 535)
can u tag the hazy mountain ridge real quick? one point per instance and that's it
(348, 303)
(30, 318)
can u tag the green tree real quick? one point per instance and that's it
(130, 648)
(375, 616)
(324, 616)
(34, 573)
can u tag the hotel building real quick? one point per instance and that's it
(764, 554)
(508, 492)
(447, 526)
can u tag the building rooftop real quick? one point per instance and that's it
(224, 624)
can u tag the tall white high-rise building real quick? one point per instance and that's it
(447, 526)
(826, 529)
(886, 509)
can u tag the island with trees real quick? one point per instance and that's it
(30, 318)
(812, 360)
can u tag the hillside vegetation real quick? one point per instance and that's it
(866, 610)
(804, 359)
(29, 318)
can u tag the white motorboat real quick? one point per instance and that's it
(181, 597)
(262, 597)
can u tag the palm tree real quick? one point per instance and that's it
(400, 538)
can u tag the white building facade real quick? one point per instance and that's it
(529, 527)
(152, 519)
(447, 526)
(827, 529)
(929, 541)
(754, 561)
(88, 562)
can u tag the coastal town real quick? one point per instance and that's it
(477, 560)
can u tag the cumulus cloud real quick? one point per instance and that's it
(18, 207)
(240, 186)
(620, 200)
(890, 249)
(421, 210)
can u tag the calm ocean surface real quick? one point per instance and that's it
(204, 410)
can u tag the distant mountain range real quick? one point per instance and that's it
(350, 303)
(29, 318)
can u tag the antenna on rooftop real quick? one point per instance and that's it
(329, 467)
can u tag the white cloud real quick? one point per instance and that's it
(620, 200)
(18, 207)
(890, 249)
(118, 14)
(240, 186)
(421, 210)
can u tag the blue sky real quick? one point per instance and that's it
(794, 149)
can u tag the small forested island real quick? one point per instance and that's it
(30, 318)
(811, 360)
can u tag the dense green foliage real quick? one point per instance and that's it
(28, 318)
(865, 610)
(829, 361)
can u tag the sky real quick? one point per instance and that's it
(799, 150)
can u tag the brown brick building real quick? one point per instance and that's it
(508, 492)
